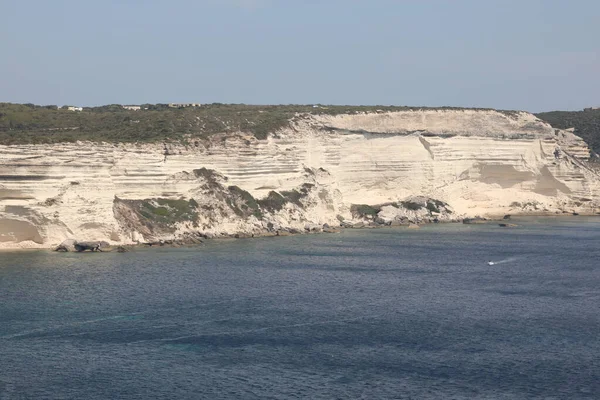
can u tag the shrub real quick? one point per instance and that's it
(364, 210)
(432, 207)
(294, 196)
(273, 202)
(411, 205)
(245, 205)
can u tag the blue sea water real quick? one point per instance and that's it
(364, 314)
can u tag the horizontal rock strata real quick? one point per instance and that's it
(314, 172)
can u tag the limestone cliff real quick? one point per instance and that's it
(317, 170)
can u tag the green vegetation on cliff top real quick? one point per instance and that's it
(32, 124)
(586, 124)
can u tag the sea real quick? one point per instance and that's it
(386, 313)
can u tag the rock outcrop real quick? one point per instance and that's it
(74, 245)
(376, 168)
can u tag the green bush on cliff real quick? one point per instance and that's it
(243, 203)
(294, 196)
(432, 207)
(276, 201)
(163, 213)
(364, 210)
(411, 205)
(273, 202)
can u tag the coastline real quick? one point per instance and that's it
(488, 219)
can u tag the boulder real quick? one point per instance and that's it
(380, 221)
(92, 246)
(192, 238)
(66, 245)
(313, 228)
(74, 245)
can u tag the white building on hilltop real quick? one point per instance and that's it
(132, 108)
(181, 105)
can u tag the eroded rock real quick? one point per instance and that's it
(359, 170)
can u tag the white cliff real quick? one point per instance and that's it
(478, 162)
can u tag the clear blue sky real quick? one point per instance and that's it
(534, 55)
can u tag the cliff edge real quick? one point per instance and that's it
(314, 171)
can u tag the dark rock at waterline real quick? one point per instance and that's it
(75, 246)
(66, 245)
(313, 228)
(91, 246)
(507, 216)
(475, 220)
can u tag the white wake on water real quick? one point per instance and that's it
(506, 260)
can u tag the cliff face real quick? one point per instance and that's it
(319, 170)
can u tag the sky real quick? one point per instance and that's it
(534, 55)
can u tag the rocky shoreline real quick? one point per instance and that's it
(319, 172)
(191, 240)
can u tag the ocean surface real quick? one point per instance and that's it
(364, 314)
